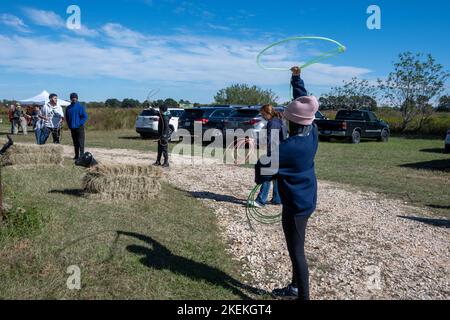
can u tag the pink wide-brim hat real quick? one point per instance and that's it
(302, 110)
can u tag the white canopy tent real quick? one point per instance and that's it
(42, 99)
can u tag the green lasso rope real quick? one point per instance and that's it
(340, 49)
(254, 213)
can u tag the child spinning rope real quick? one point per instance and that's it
(164, 136)
(296, 182)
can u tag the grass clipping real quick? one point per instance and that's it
(122, 181)
(31, 155)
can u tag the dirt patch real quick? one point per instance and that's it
(359, 245)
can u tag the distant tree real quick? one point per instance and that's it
(171, 103)
(130, 103)
(112, 103)
(245, 95)
(415, 81)
(444, 104)
(353, 94)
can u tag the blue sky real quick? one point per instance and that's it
(191, 49)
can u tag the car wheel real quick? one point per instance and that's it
(447, 149)
(324, 139)
(356, 137)
(384, 136)
(144, 136)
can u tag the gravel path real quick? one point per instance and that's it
(358, 245)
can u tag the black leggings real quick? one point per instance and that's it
(163, 147)
(294, 228)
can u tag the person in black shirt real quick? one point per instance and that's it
(164, 133)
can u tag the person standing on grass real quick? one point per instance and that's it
(164, 136)
(297, 183)
(37, 122)
(52, 116)
(23, 122)
(14, 119)
(76, 117)
(276, 132)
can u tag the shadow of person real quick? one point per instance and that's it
(217, 197)
(156, 256)
(69, 192)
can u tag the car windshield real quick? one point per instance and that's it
(245, 113)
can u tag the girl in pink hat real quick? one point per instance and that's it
(297, 183)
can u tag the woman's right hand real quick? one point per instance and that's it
(296, 70)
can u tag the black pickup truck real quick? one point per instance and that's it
(354, 125)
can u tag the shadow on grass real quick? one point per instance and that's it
(434, 222)
(436, 206)
(156, 256)
(216, 197)
(434, 165)
(136, 138)
(69, 192)
(433, 150)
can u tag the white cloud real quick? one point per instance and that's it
(53, 20)
(14, 22)
(183, 61)
(217, 27)
(44, 18)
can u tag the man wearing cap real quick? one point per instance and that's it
(297, 184)
(52, 116)
(76, 117)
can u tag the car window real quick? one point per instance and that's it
(350, 115)
(221, 113)
(176, 113)
(193, 114)
(250, 113)
(149, 113)
(372, 116)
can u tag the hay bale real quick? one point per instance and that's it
(28, 154)
(122, 181)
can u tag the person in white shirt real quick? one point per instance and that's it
(53, 116)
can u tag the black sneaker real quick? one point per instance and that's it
(165, 165)
(289, 292)
(157, 163)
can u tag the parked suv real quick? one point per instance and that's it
(209, 117)
(250, 118)
(147, 121)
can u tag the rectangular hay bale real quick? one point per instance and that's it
(28, 154)
(122, 181)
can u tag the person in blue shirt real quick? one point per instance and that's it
(76, 117)
(292, 166)
(276, 132)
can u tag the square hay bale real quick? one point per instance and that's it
(122, 181)
(30, 155)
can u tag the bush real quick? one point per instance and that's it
(112, 119)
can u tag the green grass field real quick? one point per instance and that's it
(167, 248)
(414, 170)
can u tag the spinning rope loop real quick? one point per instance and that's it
(340, 49)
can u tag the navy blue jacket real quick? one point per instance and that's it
(295, 173)
(275, 124)
(76, 116)
(298, 87)
(296, 176)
